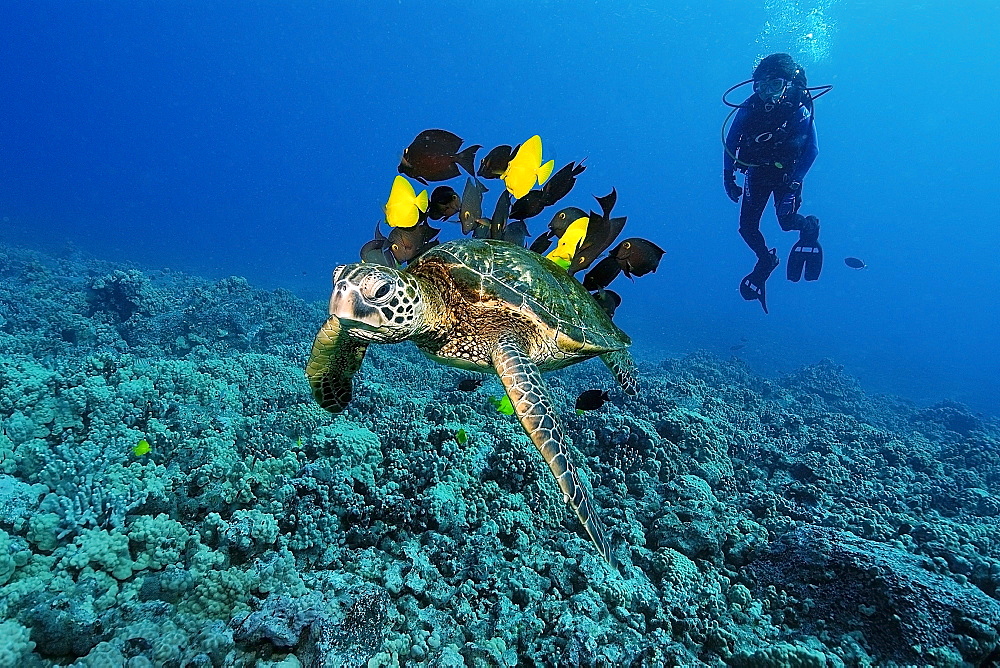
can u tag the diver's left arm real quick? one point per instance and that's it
(809, 150)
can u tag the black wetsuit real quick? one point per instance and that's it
(776, 145)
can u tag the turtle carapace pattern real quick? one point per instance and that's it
(482, 305)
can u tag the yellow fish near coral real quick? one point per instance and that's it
(404, 206)
(526, 167)
(571, 239)
(142, 448)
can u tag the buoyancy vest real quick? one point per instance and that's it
(772, 133)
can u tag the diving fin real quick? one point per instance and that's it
(752, 287)
(806, 256)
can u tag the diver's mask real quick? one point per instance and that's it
(770, 90)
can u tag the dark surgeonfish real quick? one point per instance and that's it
(515, 232)
(609, 300)
(434, 156)
(602, 274)
(471, 213)
(542, 243)
(592, 400)
(406, 243)
(528, 206)
(855, 263)
(564, 218)
(602, 230)
(557, 187)
(637, 256)
(377, 251)
(498, 222)
(470, 384)
(444, 203)
(496, 161)
(560, 183)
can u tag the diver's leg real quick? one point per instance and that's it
(806, 255)
(756, 191)
(786, 207)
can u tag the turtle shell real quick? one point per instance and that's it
(531, 285)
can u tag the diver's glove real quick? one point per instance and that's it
(732, 190)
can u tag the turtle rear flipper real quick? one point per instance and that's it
(334, 360)
(621, 364)
(530, 398)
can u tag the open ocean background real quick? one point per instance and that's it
(260, 140)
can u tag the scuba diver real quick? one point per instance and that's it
(773, 141)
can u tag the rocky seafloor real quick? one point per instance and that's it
(794, 521)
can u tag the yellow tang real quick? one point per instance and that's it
(571, 239)
(526, 167)
(503, 405)
(404, 206)
(142, 448)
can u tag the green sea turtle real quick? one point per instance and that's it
(482, 305)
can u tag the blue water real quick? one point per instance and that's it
(260, 139)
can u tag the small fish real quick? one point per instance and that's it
(855, 263)
(406, 243)
(444, 203)
(526, 168)
(609, 300)
(377, 251)
(433, 155)
(529, 206)
(570, 241)
(601, 233)
(564, 218)
(498, 222)
(604, 234)
(542, 243)
(738, 346)
(637, 256)
(471, 213)
(496, 161)
(502, 405)
(515, 232)
(470, 384)
(142, 448)
(482, 230)
(404, 206)
(592, 400)
(602, 274)
(461, 437)
(560, 183)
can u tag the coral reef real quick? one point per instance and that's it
(795, 521)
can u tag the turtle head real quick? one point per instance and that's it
(376, 303)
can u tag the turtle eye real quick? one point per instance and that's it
(379, 291)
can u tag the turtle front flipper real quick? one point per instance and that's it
(621, 364)
(530, 398)
(334, 360)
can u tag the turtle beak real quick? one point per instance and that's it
(347, 304)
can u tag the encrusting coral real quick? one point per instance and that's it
(768, 521)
